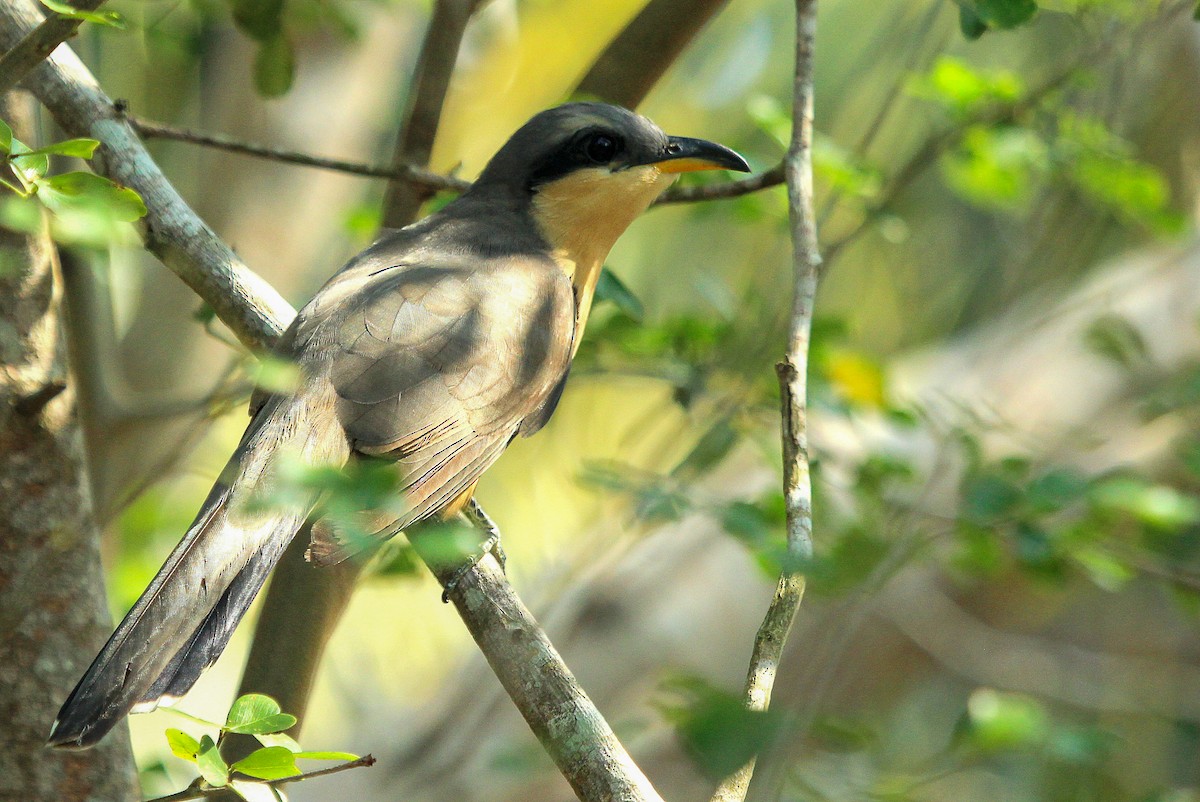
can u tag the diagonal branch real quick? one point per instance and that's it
(171, 230)
(32, 48)
(652, 41)
(431, 82)
(793, 373)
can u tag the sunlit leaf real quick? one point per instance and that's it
(255, 713)
(183, 745)
(274, 374)
(87, 191)
(6, 138)
(78, 148)
(110, 19)
(1006, 721)
(211, 764)
(268, 763)
(1157, 505)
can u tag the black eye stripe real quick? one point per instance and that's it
(588, 148)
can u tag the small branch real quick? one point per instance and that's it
(404, 172)
(435, 66)
(202, 793)
(726, 189)
(39, 43)
(171, 230)
(793, 373)
(556, 708)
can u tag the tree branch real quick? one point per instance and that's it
(39, 43)
(171, 230)
(793, 376)
(202, 793)
(435, 66)
(634, 62)
(403, 172)
(549, 698)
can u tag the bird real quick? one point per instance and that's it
(429, 352)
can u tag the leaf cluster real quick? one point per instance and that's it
(261, 717)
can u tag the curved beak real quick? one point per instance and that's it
(685, 155)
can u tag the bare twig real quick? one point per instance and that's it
(793, 372)
(439, 53)
(34, 46)
(564, 719)
(171, 230)
(725, 189)
(404, 172)
(208, 791)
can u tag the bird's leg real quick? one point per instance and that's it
(479, 519)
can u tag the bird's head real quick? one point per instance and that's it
(588, 169)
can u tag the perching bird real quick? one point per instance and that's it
(433, 348)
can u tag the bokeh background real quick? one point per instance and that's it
(1006, 377)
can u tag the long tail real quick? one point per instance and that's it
(184, 619)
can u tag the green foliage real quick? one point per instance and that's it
(260, 716)
(610, 288)
(714, 727)
(275, 62)
(87, 209)
(106, 18)
(977, 17)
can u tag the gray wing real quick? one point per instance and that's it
(438, 366)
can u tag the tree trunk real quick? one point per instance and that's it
(53, 610)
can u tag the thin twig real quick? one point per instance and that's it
(207, 791)
(39, 43)
(406, 172)
(793, 372)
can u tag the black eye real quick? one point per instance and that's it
(600, 148)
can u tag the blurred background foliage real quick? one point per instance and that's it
(1005, 373)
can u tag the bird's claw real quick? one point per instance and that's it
(482, 521)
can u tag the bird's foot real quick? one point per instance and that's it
(474, 513)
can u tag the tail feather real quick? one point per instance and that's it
(211, 577)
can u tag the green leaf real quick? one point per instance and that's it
(255, 713)
(260, 19)
(6, 138)
(268, 763)
(182, 745)
(277, 739)
(712, 447)
(970, 23)
(343, 756)
(90, 192)
(610, 288)
(274, 67)
(1056, 489)
(109, 18)
(1005, 13)
(1006, 721)
(715, 728)
(988, 498)
(79, 148)
(31, 165)
(211, 764)
(1116, 338)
